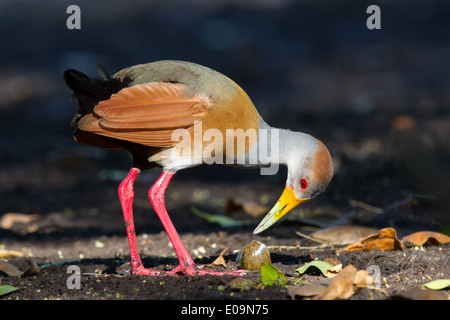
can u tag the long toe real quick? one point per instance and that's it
(237, 273)
(186, 270)
(141, 271)
(193, 271)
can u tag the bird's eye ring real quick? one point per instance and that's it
(303, 184)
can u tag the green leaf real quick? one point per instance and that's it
(224, 221)
(446, 230)
(5, 289)
(438, 284)
(313, 266)
(271, 275)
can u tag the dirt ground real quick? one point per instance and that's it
(82, 238)
(379, 101)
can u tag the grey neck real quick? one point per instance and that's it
(279, 146)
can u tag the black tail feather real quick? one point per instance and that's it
(90, 91)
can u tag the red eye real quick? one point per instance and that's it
(303, 184)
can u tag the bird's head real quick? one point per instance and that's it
(310, 170)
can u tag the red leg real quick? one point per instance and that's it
(187, 265)
(126, 196)
(156, 194)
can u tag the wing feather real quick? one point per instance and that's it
(146, 113)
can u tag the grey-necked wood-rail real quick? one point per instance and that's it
(176, 115)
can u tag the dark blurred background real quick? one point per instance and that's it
(379, 99)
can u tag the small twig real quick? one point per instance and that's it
(291, 247)
(365, 206)
(105, 275)
(310, 238)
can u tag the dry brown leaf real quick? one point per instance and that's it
(252, 208)
(385, 239)
(345, 283)
(362, 279)
(341, 286)
(8, 219)
(422, 237)
(12, 270)
(333, 272)
(220, 261)
(343, 234)
(305, 290)
(10, 253)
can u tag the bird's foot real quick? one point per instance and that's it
(192, 270)
(141, 271)
(237, 273)
(186, 270)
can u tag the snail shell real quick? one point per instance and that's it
(253, 256)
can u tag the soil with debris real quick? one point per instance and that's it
(378, 99)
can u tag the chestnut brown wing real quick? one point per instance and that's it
(147, 113)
